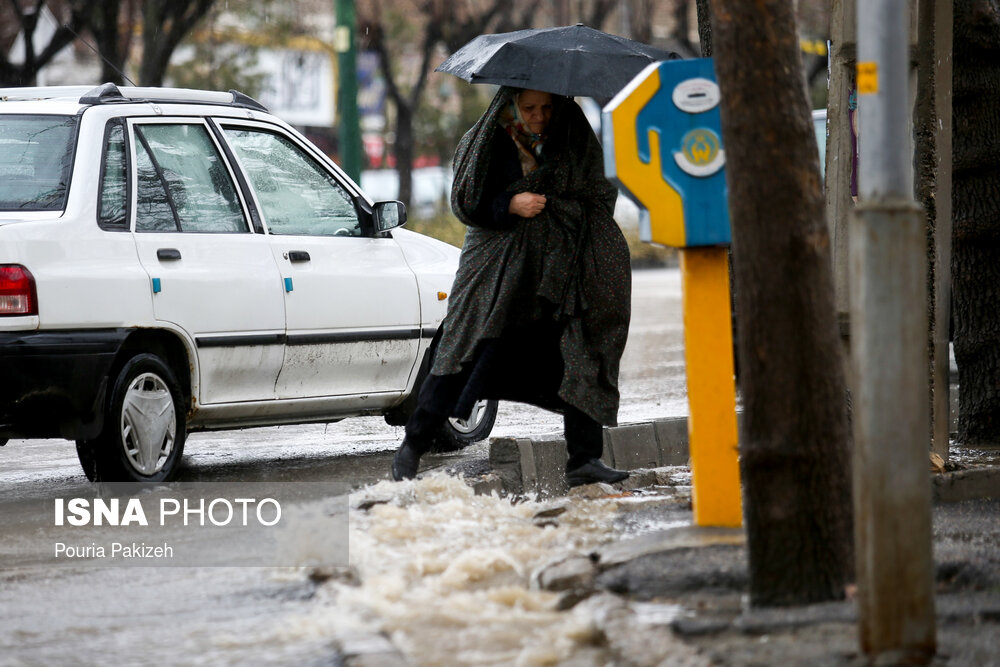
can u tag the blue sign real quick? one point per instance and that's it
(663, 146)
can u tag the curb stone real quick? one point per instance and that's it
(537, 465)
(970, 484)
(526, 466)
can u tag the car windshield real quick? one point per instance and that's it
(36, 154)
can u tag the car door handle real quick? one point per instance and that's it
(168, 254)
(298, 256)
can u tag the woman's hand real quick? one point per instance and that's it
(527, 204)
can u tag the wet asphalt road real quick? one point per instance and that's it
(357, 451)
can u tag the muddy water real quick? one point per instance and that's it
(453, 578)
(449, 575)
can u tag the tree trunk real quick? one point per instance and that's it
(976, 216)
(642, 20)
(705, 27)
(404, 152)
(794, 443)
(164, 24)
(106, 33)
(682, 25)
(932, 170)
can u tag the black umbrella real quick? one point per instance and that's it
(570, 60)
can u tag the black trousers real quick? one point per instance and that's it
(584, 435)
(500, 370)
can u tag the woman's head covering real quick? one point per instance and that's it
(473, 153)
(529, 145)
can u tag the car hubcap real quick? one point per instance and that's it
(475, 419)
(149, 423)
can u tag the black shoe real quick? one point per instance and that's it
(594, 471)
(405, 462)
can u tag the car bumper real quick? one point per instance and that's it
(53, 383)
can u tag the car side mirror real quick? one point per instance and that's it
(388, 215)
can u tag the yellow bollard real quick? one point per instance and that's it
(662, 145)
(708, 342)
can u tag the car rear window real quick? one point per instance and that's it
(36, 156)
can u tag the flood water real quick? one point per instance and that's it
(453, 578)
(448, 576)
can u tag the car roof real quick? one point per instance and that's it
(72, 98)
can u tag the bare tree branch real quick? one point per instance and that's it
(26, 72)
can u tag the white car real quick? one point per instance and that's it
(175, 260)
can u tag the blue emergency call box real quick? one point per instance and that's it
(663, 147)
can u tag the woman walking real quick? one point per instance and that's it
(540, 307)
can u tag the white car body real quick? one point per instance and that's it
(260, 328)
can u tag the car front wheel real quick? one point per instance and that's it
(459, 433)
(144, 426)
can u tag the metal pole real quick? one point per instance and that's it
(888, 287)
(347, 90)
(883, 62)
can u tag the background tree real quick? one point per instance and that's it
(225, 57)
(399, 38)
(794, 440)
(21, 16)
(596, 15)
(164, 24)
(382, 29)
(681, 33)
(976, 218)
(113, 25)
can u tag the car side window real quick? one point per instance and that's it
(114, 179)
(297, 196)
(182, 182)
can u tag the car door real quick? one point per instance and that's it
(210, 275)
(352, 309)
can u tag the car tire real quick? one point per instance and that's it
(142, 439)
(459, 433)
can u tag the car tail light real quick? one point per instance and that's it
(17, 291)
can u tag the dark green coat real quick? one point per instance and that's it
(568, 267)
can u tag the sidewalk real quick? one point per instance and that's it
(662, 592)
(703, 573)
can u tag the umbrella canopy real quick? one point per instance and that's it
(570, 60)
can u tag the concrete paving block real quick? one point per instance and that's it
(634, 446)
(669, 539)
(639, 479)
(608, 455)
(505, 461)
(672, 440)
(971, 484)
(592, 491)
(550, 466)
(529, 472)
